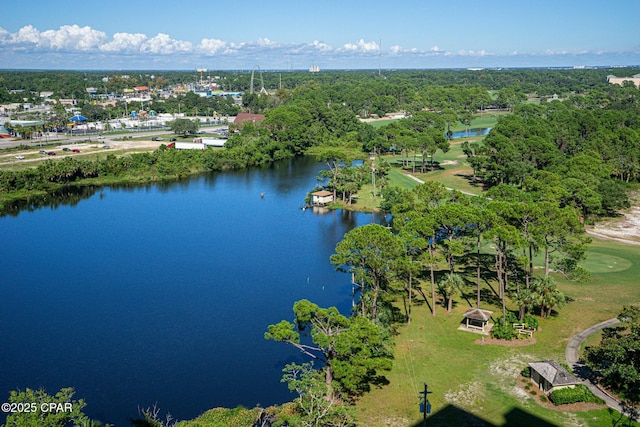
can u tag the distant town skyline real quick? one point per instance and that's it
(285, 34)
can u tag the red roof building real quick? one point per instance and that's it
(243, 117)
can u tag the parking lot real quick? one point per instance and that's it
(37, 153)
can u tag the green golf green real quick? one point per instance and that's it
(598, 262)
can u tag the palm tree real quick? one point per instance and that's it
(449, 285)
(525, 300)
(548, 296)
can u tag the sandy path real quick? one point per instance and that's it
(624, 229)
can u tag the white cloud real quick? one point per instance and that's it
(321, 46)
(163, 44)
(264, 42)
(361, 46)
(554, 52)
(212, 46)
(68, 38)
(69, 43)
(4, 35)
(124, 42)
(26, 35)
(74, 37)
(472, 52)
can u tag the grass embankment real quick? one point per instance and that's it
(473, 381)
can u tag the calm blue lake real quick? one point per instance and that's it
(163, 293)
(470, 132)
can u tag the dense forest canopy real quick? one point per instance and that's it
(545, 82)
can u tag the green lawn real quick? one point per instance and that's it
(485, 120)
(400, 179)
(451, 169)
(468, 379)
(380, 123)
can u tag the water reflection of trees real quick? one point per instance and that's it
(68, 196)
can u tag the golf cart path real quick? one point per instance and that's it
(582, 371)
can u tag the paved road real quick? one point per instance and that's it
(582, 371)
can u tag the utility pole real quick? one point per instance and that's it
(425, 405)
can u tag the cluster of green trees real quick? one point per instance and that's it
(38, 408)
(343, 178)
(439, 228)
(423, 133)
(580, 152)
(616, 359)
(352, 350)
(184, 127)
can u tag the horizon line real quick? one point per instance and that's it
(289, 70)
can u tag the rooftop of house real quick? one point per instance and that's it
(555, 374)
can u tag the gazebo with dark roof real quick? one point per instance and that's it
(478, 320)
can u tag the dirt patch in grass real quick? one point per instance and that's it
(625, 228)
(506, 343)
(523, 383)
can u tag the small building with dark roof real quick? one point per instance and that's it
(548, 375)
(477, 320)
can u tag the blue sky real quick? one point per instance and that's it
(288, 34)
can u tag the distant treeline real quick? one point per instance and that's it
(590, 138)
(15, 86)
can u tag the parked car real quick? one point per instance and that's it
(172, 140)
(106, 146)
(156, 138)
(43, 152)
(51, 153)
(66, 149)
(20, 157)
(75, 150)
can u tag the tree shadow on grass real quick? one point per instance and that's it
(477, 183)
